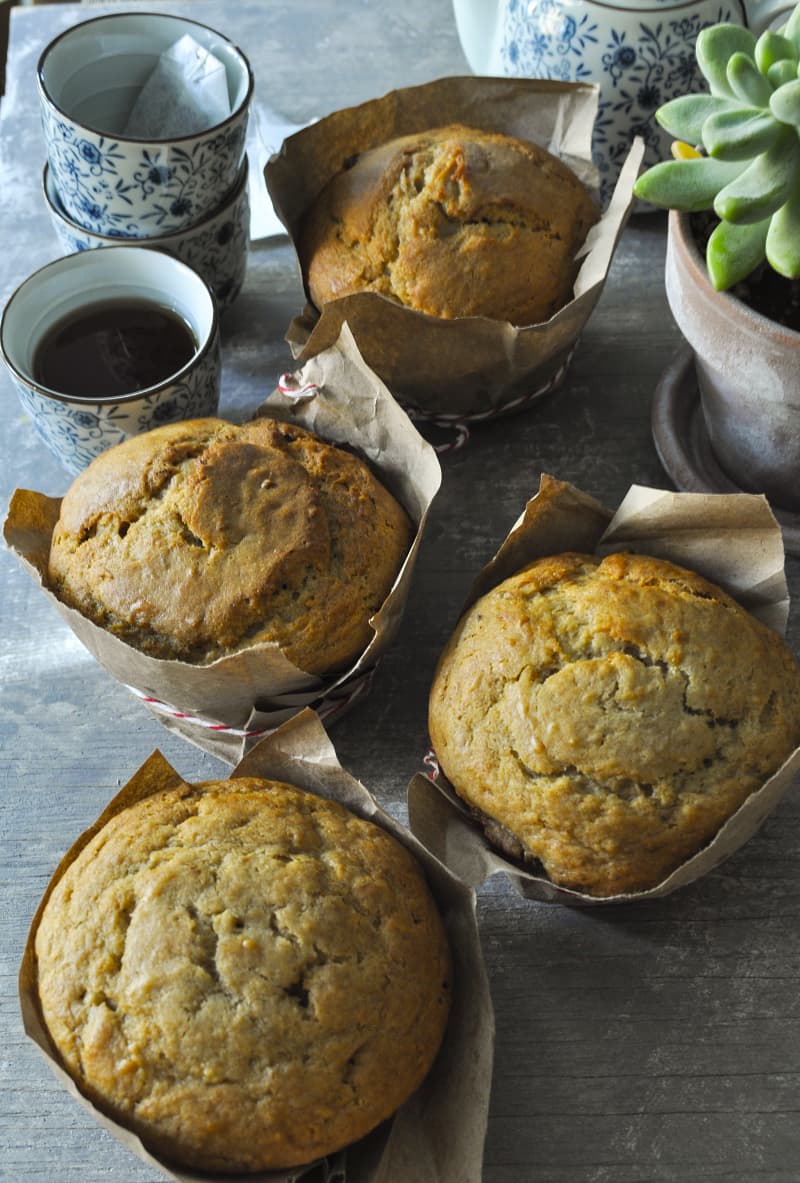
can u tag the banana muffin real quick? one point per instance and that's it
(198, 539)
(452, 222)
(605, 717)
(244, 974)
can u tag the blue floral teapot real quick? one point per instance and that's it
(640, 52)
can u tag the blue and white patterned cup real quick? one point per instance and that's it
(77, 429)
(216, 247)
(639, 52)
(89, 78)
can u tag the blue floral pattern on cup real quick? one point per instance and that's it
(216, 248)
(76, 434)
(639, 63)
(158, 191)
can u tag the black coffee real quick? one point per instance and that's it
(114, 348)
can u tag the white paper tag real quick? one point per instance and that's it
(186, 93)
(266, 133)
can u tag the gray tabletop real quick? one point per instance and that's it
(655, 1042)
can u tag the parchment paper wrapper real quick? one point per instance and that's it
(731, 539)
(438, 1135)
(228, 705)
(473, 367)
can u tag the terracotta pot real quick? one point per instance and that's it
(748, 372)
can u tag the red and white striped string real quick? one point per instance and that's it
(327, 708)
(431, 764)
(287, 384)
(458, 424)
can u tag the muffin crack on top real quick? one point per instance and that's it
(453, 221)
(603, 718)
(202, 538)
(245, 974)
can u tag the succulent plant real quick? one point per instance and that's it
(740, 154)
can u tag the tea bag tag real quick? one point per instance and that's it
(186, 93)
(265, 133)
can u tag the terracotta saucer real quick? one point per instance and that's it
(683, 447)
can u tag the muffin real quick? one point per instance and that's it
(452, 222)
(244, 974)
(603, 718)
(201, 538)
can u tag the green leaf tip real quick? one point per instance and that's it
(747, 82)
(734, 251)
(783, 237)
(771, 47)
(714, 48)
(740, 133)
(687, 185)
(684, 116)
(785, 103)
(791, 30)
(780, 73)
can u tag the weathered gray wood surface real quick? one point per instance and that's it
(649, 1044)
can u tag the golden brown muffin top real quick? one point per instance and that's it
(453, 222)
(610, 715)
(247, 975)
(200, 538)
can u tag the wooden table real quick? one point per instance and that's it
(638, 1044)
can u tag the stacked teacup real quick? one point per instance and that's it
(145, 120)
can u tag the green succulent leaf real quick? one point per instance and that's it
(764, 185)
(785, 103)
(791, 30)
(713, 49)
(747, 82)
(684, 117)
(687, 185)
(781, 73)
(734, 251)
(771, 47)
(783, 237)
(740, 133)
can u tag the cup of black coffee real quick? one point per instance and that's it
(102, 345)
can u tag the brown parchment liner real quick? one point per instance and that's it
(258, 688)
(437, 1136)
(471, 366)
(731, 539)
